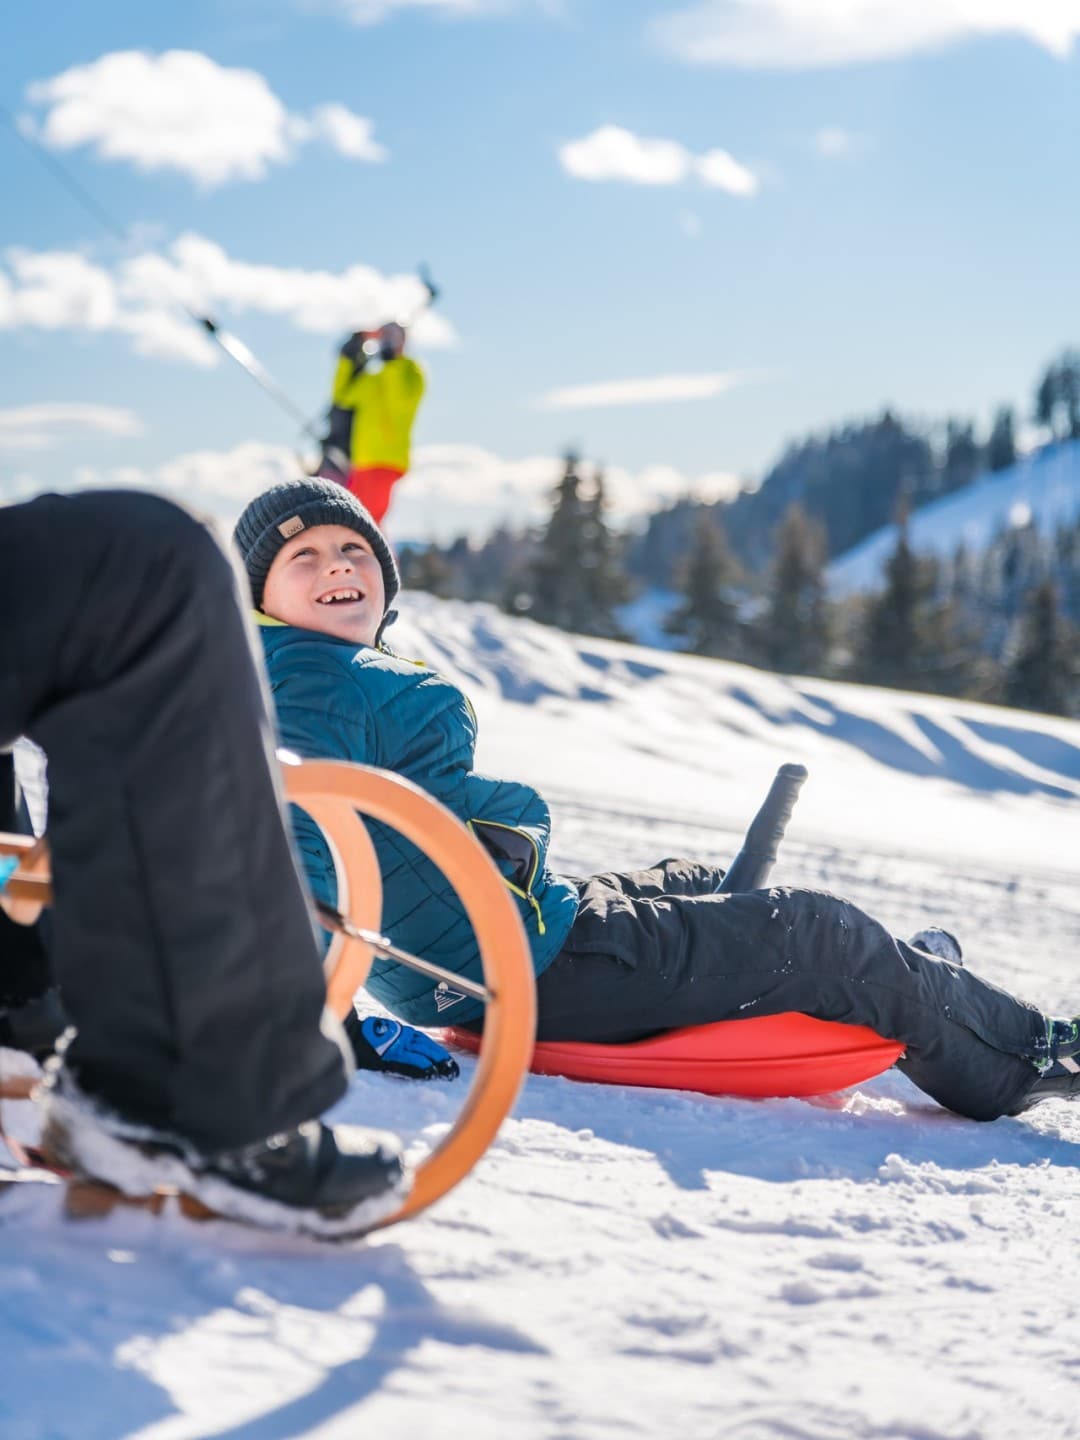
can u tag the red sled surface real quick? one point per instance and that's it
(769, 1055)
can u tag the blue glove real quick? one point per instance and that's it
(382, 1044)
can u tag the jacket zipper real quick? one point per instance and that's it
(525, 894)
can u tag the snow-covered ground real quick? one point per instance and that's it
(1042, 489)
(649, 1263)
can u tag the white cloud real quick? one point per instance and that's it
(451, 489)
(612, 153)
(721, 171)
(806, 34)
(349, 134)
(41, 427)
(371, 12)
(833, 142)
(55, 290)
(140, 297)
(219, 482)
(182, 111)
(655, 390)
(465, 489)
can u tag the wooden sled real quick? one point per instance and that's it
(768, 1055)
(332, 792)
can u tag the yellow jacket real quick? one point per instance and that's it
(384, 404)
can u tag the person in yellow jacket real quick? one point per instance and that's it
(376, 394)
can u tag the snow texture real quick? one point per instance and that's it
(642, 1263)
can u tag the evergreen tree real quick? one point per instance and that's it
(1042, 672)
(556, 589)
(576, 577)
(1046, 397)
(426, 569)
(795, 630)
(1069, 384)
(889, 647)
(604, 578)
(912, 639)
(708, 617)
(1001, 447)
(962, 458)
(1057, 397)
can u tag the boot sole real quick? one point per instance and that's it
(103, 1171)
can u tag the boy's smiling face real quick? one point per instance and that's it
(328, 579)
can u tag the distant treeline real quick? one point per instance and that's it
(748, 574)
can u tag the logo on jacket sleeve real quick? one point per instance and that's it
(445, 997)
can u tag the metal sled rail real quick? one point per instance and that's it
(333, 792)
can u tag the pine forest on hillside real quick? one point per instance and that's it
(747, 577)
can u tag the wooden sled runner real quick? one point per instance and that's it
(333, 792)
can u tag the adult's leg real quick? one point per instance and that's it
(24, 965)
(372, 487)
(182, 941)
(634, 966)
(31, 1017)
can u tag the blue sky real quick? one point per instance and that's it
(792, 221)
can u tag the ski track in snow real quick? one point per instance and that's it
(644, 1263)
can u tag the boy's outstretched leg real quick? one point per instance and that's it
(635, 963)
(181, 937)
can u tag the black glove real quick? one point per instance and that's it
(353, 349)
(391, 341)
(382, 1044)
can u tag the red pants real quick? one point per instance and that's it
(372, 486)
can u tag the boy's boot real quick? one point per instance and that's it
(1057, 1074)
(936, 941)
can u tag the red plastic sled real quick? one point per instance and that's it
(769, 1055)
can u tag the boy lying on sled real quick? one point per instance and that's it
(616, 956)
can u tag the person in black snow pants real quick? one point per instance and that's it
(180, 937)
(616, 956)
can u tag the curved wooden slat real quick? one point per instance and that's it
(510, 1017)
(332, 792)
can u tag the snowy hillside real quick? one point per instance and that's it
(1043, 488)
(647, 1263)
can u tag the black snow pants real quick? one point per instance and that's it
(24, 963)
(658, 949)
(180, 934)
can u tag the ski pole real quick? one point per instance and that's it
(234, 348)
(752, 865)
(431, 295)
(238, 351)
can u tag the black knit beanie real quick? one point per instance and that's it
(284, 510)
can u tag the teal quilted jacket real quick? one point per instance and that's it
(335, 701)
